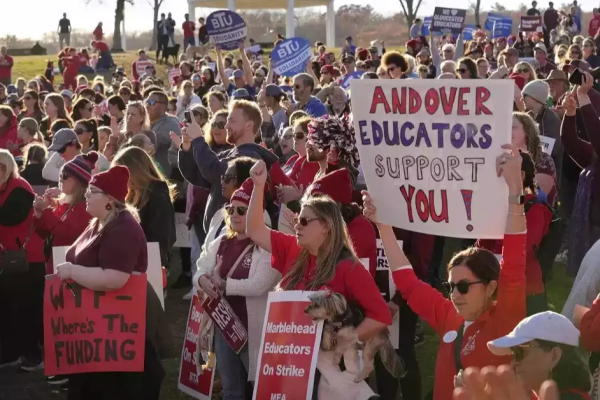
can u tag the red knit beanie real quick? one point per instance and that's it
(81, 167)
(113, 182)
(245, 191)
(336, 185)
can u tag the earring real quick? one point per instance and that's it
(108, 207)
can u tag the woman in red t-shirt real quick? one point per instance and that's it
(102, 259)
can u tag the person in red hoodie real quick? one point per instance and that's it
(60, 214)
(71, 62)
(470, 318)
(8, 131)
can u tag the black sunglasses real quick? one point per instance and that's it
(298, 135)
(225, 179)
(297, 87)
(304, 221)
(78, 131)
(64, 176)
(522, 71)
(241, 211)
(219, 125)
(461, 70)
(462, 286)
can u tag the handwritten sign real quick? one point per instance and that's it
(386, 286)
(290, 56)
(226, 29)
(193, 380)
(234, 332)
(547, 144)
(531, 23)
(448, 20)
(288, 350)
(183, 232)
(429, 151)
(88, 331)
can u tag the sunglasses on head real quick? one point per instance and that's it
(218, 125)
(462, 286)
(304, 221)
(64, 176)
(461, 70)
(225, 179)
(241, 211)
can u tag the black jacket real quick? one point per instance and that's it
(157, 219)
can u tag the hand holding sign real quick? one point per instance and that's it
(369, 209)
(64, 270)
(207, 285)
(509, 165)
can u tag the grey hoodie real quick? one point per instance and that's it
(203, 168)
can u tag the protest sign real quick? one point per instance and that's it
(547, 144)
(288, 350)
(88, 331)
(226, 29)
(345, 83)
(448, 20)
(426, 26)
(173, 72)
(141, 65)
(194, 381)
(493, 17)
(468, 32)
(183, 232)
(531, 23)
(386, 286)
(502, 28)
(234, 332)
(290, 56)
(429, 150)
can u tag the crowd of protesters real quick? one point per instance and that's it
(266, 169)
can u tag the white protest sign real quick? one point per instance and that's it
(183, 233)
(429, 150)
(153, 273)
(547, 144)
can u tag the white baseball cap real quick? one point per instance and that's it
(548, 326)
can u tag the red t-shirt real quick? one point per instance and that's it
(351, 278)
(71, 65)
(120, 246)
(231, 250)
(101, 46)
(6, 65)
(303, 173)
(188, 29)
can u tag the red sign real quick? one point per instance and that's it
(288, 350)
(192, 380)
(173, 72)
(227, 322)
(531, 23)
(88, 331)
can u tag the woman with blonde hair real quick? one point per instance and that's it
(186, 99)
(82, 80)
(150, 193)
(136, 119)
(561, 54)
(525, 70)
(575, 52)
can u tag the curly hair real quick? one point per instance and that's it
(330, 132)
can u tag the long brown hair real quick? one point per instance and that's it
(9, 114)
(335, 248)
(142, 171)
(532, 136)
(59, 103)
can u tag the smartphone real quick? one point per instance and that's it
(576, 77)
(188, 117)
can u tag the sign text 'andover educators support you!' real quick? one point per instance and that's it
(429, 150)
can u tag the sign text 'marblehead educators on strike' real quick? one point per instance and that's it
(428, 152)
(289, 349)
(88, 331)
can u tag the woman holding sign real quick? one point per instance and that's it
(102, 259)
(319, 256)
(242, 271)
(470, 318)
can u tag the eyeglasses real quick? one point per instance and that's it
(78, 131)
(297, 87)
(461, 70)
(304, 221)
(519, 351)
(218, 125)
(152, 102)
(298, 135)
(64, 176)
(225, 179)
(390, 69)
(463, 286)
(241, 211)
(523, 71)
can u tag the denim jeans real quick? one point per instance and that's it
(233, 368)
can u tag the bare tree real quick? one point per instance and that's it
(155, 4)
(475, 7)
(499, 8)
(119, 15)
(410, 10)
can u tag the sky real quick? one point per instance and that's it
(42, 15)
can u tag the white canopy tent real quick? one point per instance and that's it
(288, 5)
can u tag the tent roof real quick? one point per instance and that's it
(258, 4)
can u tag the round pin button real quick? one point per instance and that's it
(450, 336)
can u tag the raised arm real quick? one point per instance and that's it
(246, 65)
(581, 151)
(221, 68)
(271, 74)
(255, 225)
(589, 115)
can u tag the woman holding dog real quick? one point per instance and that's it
(471, 317)
(320, 256)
